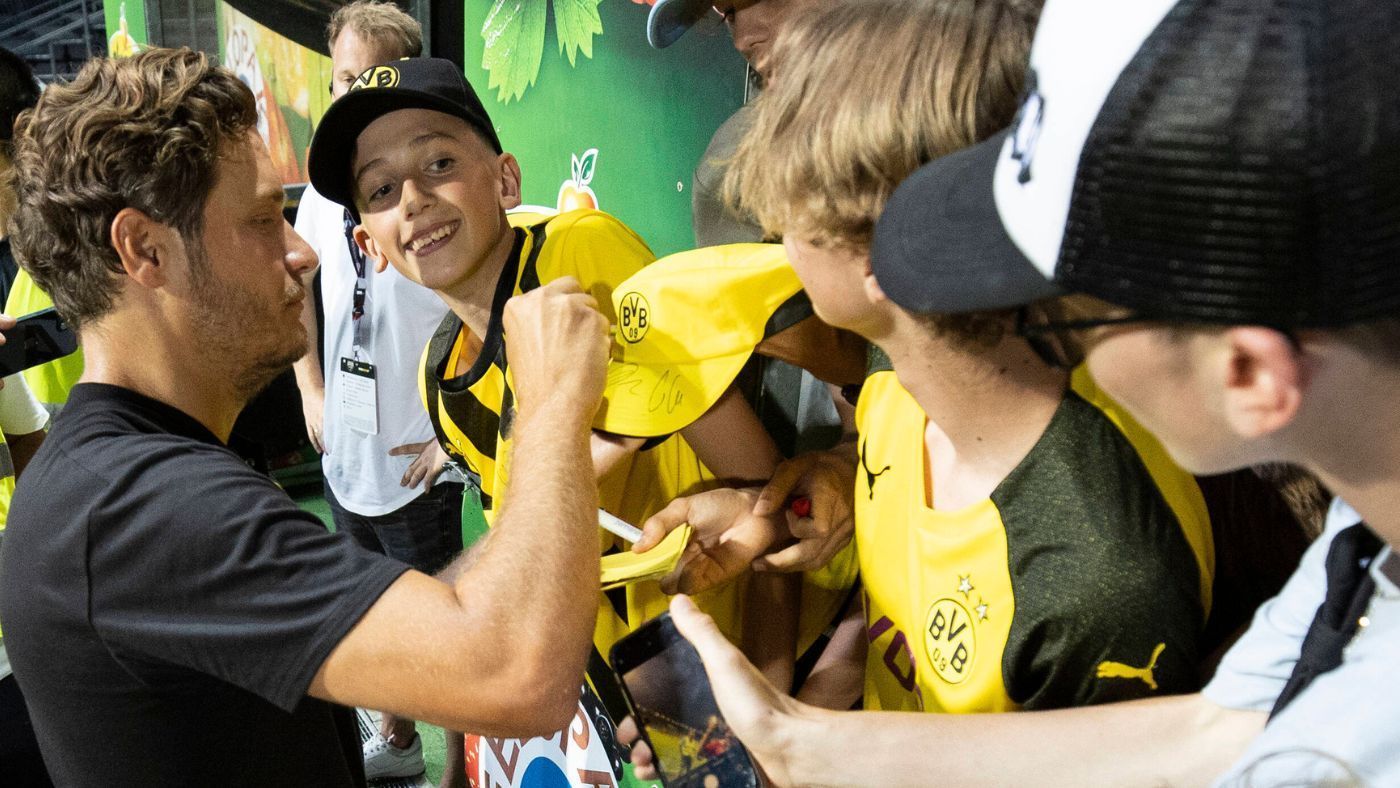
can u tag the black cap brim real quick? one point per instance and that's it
(940, 246)
(333, 146)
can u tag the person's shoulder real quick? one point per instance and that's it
(589, 226)
(881, 396)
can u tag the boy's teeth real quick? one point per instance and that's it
(441, 232)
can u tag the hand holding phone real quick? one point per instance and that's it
(36, 339)
(670, 697)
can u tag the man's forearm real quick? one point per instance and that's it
(536, 576)
(1181, 740)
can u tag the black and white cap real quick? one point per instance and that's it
(1210, 161)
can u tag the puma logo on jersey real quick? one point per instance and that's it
(870, 476)
(1117, 670)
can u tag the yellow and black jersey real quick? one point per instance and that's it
(1084, 578)
(472, 412)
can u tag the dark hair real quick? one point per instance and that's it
(143, 132)
(18, 92)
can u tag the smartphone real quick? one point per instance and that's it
(669, 694)
(37, 338)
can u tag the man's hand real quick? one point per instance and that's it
(313, 409)
(427, 463)
(755, 710)
(557, 342)
(727, 537)
(827, 479)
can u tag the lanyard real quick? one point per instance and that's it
(357, 260)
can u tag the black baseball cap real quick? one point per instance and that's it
(410, 83)
(1203, 161)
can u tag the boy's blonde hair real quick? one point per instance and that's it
(866, 91)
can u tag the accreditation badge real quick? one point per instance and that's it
(359, 401)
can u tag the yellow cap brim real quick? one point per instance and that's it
(687, 323)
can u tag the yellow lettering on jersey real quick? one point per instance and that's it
(1117, 670)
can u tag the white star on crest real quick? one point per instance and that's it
(964, 585)
(981, 610)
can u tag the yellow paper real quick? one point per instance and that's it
(622, 569)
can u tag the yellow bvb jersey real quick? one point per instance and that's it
(472, 413)
(1084, 578)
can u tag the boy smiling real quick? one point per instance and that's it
(412, 153)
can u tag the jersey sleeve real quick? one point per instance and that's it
(596, 249)
(1132, 632)
(1107, 588)
(238, 583)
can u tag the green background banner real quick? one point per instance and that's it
(126, 26)
(595, 115)
(567, 77)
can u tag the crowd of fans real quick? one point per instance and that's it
(1076, 314)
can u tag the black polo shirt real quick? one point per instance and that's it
(165, 607)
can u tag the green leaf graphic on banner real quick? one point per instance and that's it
(514, 35)
(575, 24)
(585, 167)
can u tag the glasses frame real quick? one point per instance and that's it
(1058, 354)
(1061, 355)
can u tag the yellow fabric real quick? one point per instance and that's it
(50, 382)
(600, 252)
(895, 680)
(625, 568)
(7, 485)
(938, 589)
(685, 326)
(7, 491)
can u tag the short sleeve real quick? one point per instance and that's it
(232, 580)
(599, 251)
(20, 411)
(1131, 633)
(1254, 670)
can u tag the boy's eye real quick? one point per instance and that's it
(440, 165)
(381, 192)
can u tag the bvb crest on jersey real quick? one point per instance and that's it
(950, 632)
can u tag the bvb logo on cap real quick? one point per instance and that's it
(635, 318)
(377, 77)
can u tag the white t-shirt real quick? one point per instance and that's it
(399, 319)
(1344, 729)
(20, 411)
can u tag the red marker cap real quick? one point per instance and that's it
(801, 506)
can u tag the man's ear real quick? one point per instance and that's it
(510, 181)
(370, 248)
(144, 246)
(1264, 380)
